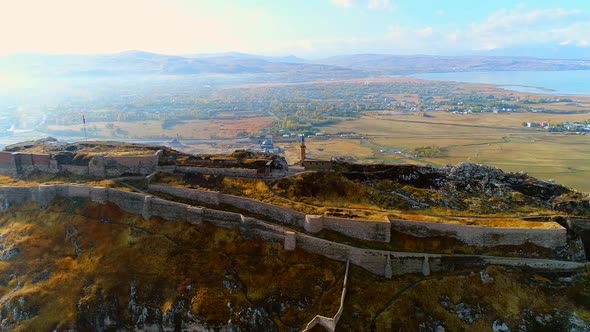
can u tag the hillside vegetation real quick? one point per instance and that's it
(82, 266)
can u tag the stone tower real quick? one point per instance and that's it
(302, 153)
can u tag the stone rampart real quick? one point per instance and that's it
(115, 166)
(127, 201)
(22, 159)
(222, 218)
(168, 210)
(484, 236)
(7, 164)
(238, 172)
(96, 167)
(118, 165)
(46, 194)
(11, 196)
(20, 163)
(99, 194)
(358, 229)
(76, 191)
(194, 215)
(40, 159)
(333, 250)
(253, 228)
(201, 196)
(280, 214)
(380, 262)
(74, 169)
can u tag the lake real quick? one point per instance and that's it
(567, 82)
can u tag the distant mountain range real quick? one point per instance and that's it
(242, 56)
(411, 64)
(356, 65)
(145, 63)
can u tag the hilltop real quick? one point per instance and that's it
(152, 238)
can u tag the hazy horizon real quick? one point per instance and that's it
(305, 29)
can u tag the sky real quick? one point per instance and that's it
(306, 28)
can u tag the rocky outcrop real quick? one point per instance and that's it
(573, 203)
(464, 186)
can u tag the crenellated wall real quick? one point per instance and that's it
(380, 262)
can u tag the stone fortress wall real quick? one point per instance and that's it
(481, 236)
(114, 166)
(227, 171)
(17, 163)
(380, 262)
(21, 164)
(7, 164)
(379, 231)
(360, 229)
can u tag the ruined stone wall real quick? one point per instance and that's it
(202, 196)
(379, 262)
(127, 201)
(215, 163)
(277, 213)
(11, 196)
(238, 172)
(18, 163)
(74, 169)
(114, 166)
(119, 165)
(222, 218)
(358, 229)
(7, 165)
(484, 236)
(14, 164)
(166, 209)
(96, 167)
(24, 163)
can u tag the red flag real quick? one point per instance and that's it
(83, 119)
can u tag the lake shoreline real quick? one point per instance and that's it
(565, 83)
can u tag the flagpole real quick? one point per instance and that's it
(84, 121)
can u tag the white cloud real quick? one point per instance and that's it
(505, 28)
(379, 4)
(370, 4)
(343, 3)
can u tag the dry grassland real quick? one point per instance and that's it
(197, 129)
(493, 139)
